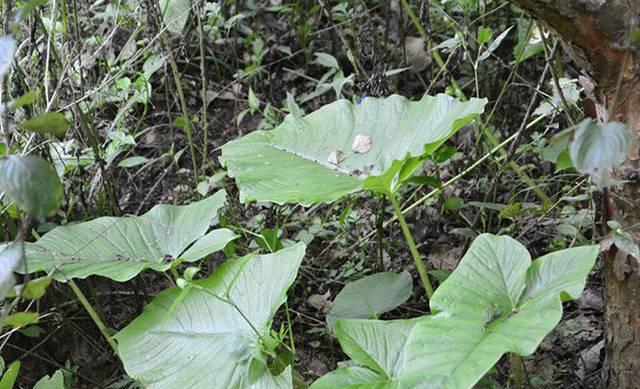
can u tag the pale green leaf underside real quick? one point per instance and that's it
(293, 163)
(206, 342)
(9, 261)
(371, 296)
(121, 247)
(596, 148)
(456, 346)
(175, 14)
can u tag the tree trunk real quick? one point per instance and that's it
(598, 36)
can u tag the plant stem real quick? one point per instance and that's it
(516, 366)
(203, 90)
(422, 271)
(289, 329)
(94, 315)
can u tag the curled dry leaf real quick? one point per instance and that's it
(321, 302)
(335, 157)
(417, 56)
(361, 144)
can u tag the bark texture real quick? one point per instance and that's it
(598, 36)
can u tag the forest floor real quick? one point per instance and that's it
(258, 57)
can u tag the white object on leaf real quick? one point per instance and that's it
(361, 144)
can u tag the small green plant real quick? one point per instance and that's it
(496, 301)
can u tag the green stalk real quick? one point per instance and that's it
(518, 374)
(94, 315)
(289, 327)
(422, 271)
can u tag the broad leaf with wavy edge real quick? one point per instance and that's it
(210, 339)
(311, 159)
(496, 301)
(121, 247)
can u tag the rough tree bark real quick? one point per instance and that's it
(598, 35)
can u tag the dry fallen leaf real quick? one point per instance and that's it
(335, 157)
(417, 56)
(361, 144)
(321, 302)
(445, 256)
(317, 368)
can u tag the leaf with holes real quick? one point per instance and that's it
(121, 247)
(343, 148)
(496, 301)
(213, 338)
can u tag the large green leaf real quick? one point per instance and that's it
(496, 301)
(121, 247)
(211, 338)
(371, 296)
(342, 148)
(32, 183)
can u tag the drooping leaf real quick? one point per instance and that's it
(121, 247)
(371, 296)
(10, 375)
(32, 184)
(152, 65)
(25, 99)
(20, 319)
(494, 45)
(175, 14)
(342, 148)
(496, 301)
(212, 337)
(56, 381)
(53, 123)
(34, 289)
(597, 148)
(133, 161)
(209, 243)
(9, 261)
(7, 50)
(624, 240)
